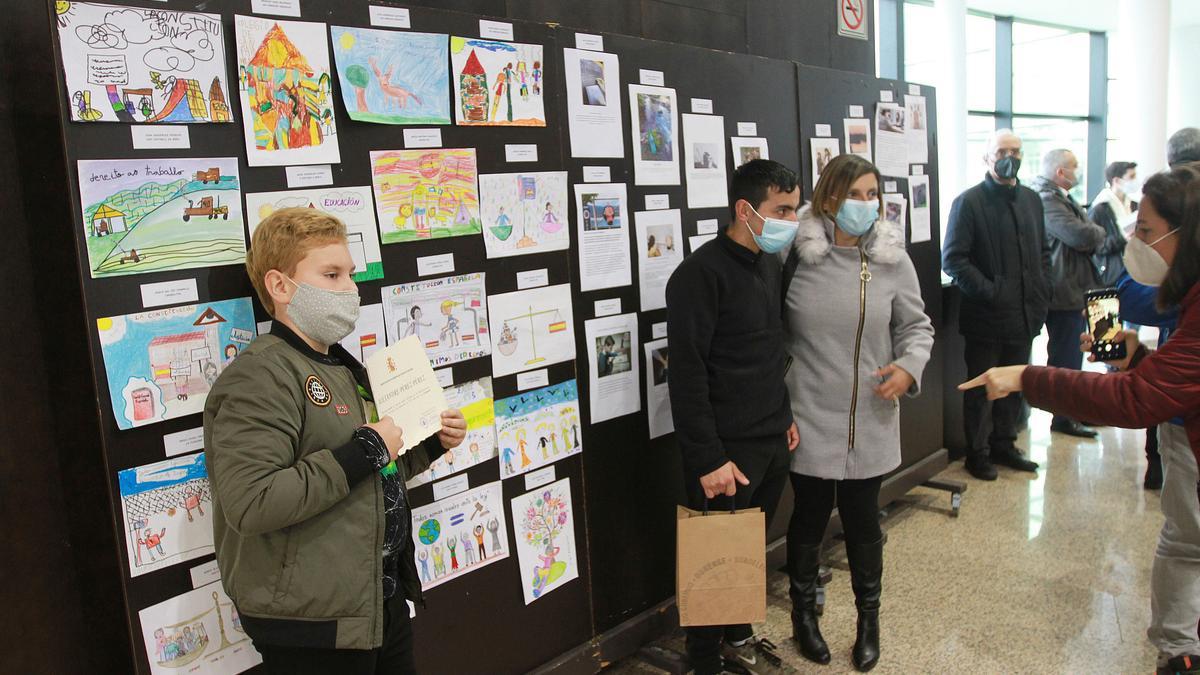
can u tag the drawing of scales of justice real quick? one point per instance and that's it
(507, 345)
(180, 643)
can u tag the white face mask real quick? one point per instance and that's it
(1132, 188)
(1144, 264)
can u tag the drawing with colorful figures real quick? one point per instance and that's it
(545, 528)
(198, 632)
(166, 509)
(425, 194)
(497, 83)
(448, 314)
(524, 212)
(460, 534)
(538, 427)
(474, 399)
(392, 77)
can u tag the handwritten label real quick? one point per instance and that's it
(823, 130)
(889, 186)
(525, 152)
(654, 202)
(596, 174)
(106, 69)
(702, 105)
(157, 136)
(659, 330)
(856, 111)
(180, 442)
(707, 226)
(451, 487)
(495, 30)
(914, 89)
(886, 96)
(533, 279)
(538, 478)
(533, 379)
(169, 293)
(280, 7)
(205, 574)
(588, 41)
(390, 17)
(608, 307)
(435, 264)
(651, 77)
(309, 176)
(422, 138)
(747, 128)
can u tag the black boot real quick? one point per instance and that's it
(804, 564)
(866, 573)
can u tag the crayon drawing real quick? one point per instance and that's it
(392, 77)
(544, 520)
(474, 399)
(425, 194)
(538, 427)
(199, 633)
(152, 215)
(286, 93)
(166, 508)
(459, 534)
(497, 83)
(524, 213)
(129, 64)
(162, 363)
(448, 314)
(532, 329)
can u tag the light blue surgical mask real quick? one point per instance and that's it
(776, 233)
(856, 217)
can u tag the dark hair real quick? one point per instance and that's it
(1175, 195)
(835, 181)
(412, 311)
(753, 181)
(1117, 170)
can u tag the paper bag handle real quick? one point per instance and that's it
(732, 507)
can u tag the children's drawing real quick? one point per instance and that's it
(286, 93)
(497, 83)
(198, 632)
(166, 509)
(524, 212)
(544, 520)
(532, 329)
(368, 335)
(538, 427)
(151, 215)
(425, 194)
(448, 314)
(162, 363)
(460, 534)
(351, 205)
(392, 77)
(129, 64)
(474, 399)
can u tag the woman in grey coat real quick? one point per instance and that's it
(858, 339)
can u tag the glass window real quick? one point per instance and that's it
(1050, 70)
(979, 134)
(921, 44)
(981, 62)
(1041, 135)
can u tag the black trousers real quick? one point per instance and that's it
(1062, 350)
(857, 503)
(765, 463)
(395, 657)
(992, 425)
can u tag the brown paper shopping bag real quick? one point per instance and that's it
(721, 567)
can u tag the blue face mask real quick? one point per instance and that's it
(776, 233)
(855, 218)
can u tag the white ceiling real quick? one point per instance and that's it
(1090, 14)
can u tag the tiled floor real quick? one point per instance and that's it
(1045, 573)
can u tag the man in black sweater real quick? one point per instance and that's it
(732, 417)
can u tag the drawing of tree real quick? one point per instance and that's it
(358, 76)
(544, 520)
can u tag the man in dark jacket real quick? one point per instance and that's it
(996, 252)
(733, 420)
(1073, 239)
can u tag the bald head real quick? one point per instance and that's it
(1003, 138)
(1004, 147)
(1060, 167)
(1183, 146)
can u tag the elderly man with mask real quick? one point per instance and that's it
(996, 252)
(1073, 239)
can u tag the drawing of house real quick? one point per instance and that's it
(171, 360)
(287, 98)
(107, 220)
(473, 87)
(216, 99)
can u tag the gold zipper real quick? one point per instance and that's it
(864, 277)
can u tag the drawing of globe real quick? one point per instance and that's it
(429, 531)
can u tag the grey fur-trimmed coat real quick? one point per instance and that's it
(822, 317)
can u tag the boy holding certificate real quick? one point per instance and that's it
(312, 525)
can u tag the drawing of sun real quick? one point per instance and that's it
(62, 9)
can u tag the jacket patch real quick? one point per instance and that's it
(341, 409)
(316, 391)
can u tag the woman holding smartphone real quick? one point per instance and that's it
(858, 339)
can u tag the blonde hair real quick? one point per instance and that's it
(283, 239)
(835, 181)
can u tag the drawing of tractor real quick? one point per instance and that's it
(206, 208)
(213, 175)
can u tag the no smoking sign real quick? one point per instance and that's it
(852, 18)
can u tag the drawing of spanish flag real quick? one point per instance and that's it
(558, 326)
(367, 340)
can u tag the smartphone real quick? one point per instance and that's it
(1104, 323)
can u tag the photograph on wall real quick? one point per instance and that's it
(497, 83)
(351, 205)
(474, 399)
(614, 386)
(655, 135)
(544, 524)
(152, 66)
(746, 149)
(918, 129)
(286, 92)
(448, 314)
(459, 534)
(659, 251)
(823, 152)
(154, 215)
(918, 201)
(524, 212)
(603, 235)
(532, 329)
(891, 139)
(166, 508)
(895, 210)
(658, 394)
(538, 427)
(704, 159)
(199, 633)
(858, 137)
(162, 363)
(392, 77)
(425, 194)
(593, 103)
